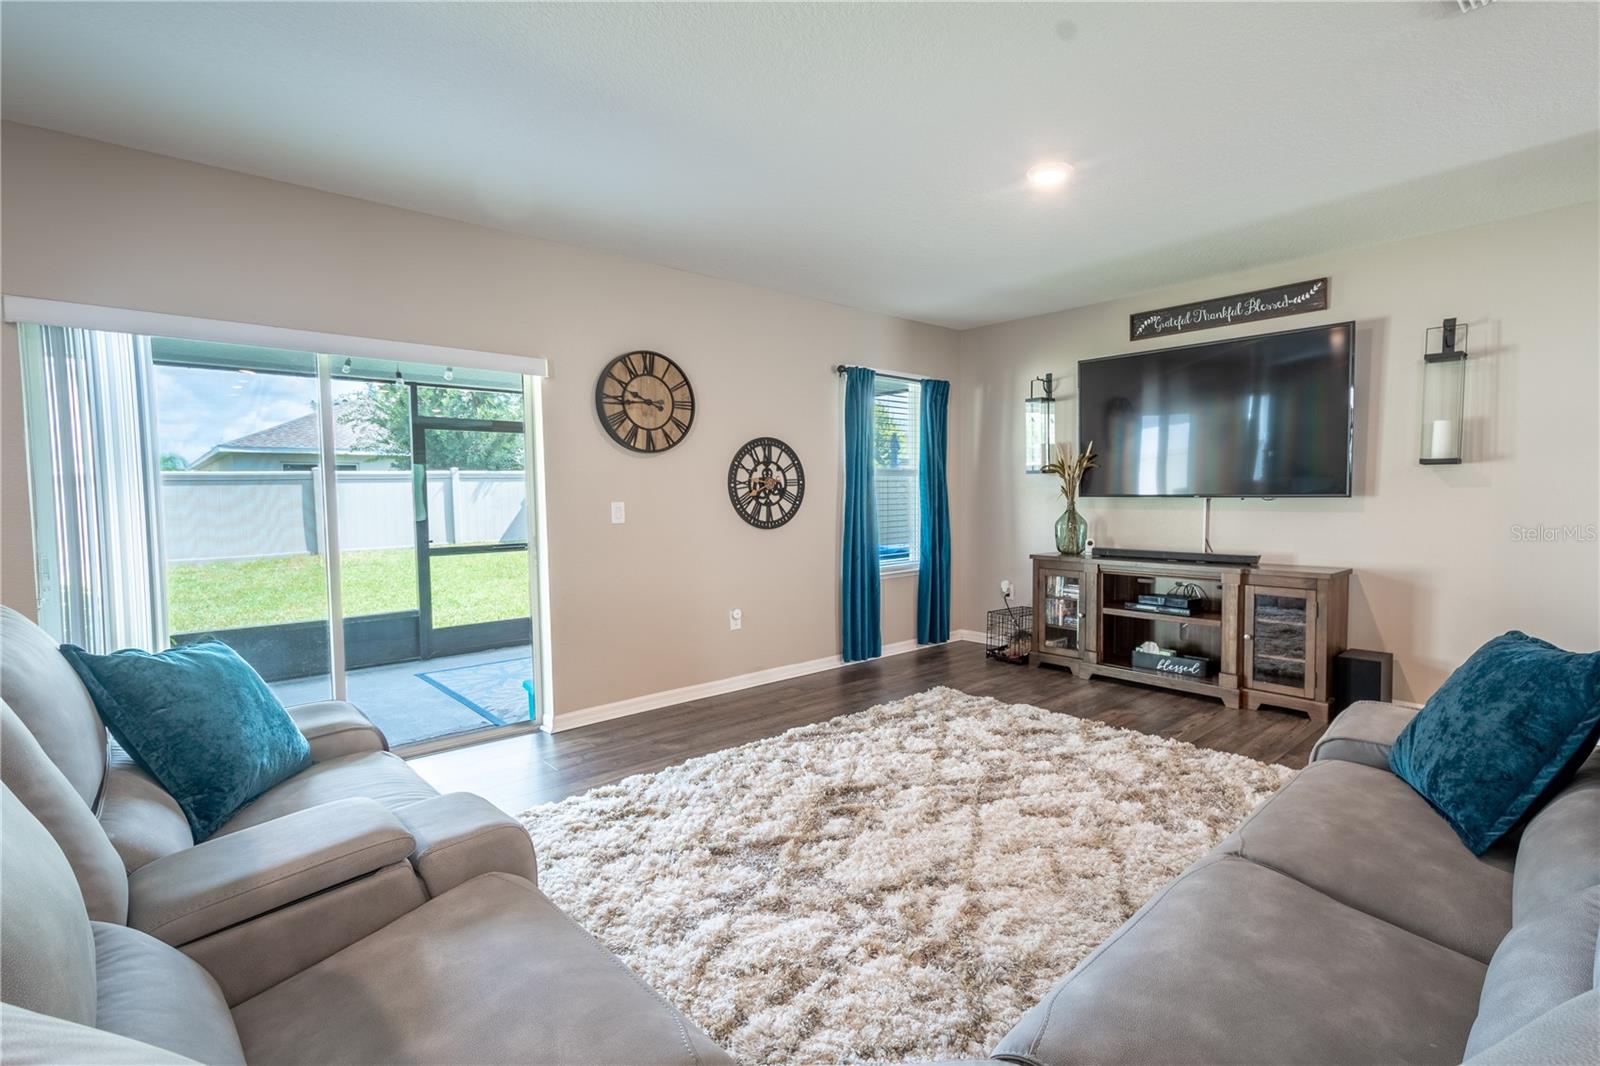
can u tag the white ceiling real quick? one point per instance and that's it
(867, 154)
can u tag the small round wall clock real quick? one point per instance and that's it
(766, 482)
(645, 401)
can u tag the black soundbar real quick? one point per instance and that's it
(1146, 555)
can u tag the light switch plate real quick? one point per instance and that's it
(619, 513)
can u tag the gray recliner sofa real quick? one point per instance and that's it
(351, 915)
(488, 971)
(313, 865)
(1344, 922)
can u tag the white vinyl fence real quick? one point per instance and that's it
(211, 515)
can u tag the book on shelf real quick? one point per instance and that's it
(1155, 608)
(1159, 599)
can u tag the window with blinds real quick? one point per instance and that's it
(896, 447)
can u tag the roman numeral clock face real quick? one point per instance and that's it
(645, 402)
(766, 482)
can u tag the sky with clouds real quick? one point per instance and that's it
(198, 409)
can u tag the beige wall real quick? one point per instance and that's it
(641, 608)
(1437, 566)
(637, 608)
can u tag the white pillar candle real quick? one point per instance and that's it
(1444, 438)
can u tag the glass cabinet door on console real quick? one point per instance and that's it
(1279, 640)
(1058, 618)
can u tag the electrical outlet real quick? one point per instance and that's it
(1005, 587)
(619, 513)
(735, 619)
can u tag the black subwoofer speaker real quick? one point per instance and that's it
(1362, 675)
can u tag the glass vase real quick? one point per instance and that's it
(1072, 532)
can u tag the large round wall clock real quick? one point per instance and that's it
(645, 401)
(766, 482)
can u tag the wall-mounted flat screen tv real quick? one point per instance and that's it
(1269, 415)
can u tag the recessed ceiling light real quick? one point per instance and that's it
(1049, 175)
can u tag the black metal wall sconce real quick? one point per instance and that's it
(1039, 424)
(1444, 393)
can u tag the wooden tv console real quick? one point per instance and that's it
(1270, 630)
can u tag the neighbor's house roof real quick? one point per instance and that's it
(302, 435)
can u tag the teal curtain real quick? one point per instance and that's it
(862, 634)
(933, 574)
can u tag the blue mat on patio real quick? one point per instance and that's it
(494, 690)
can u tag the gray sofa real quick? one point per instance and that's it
(1344, 922)
(321, 860)
(350, 915)
(486, 972)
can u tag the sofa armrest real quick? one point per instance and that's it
(33, 1039)
(1567, 1032)
(230, 879)
(461, 835)
(249, 958)
(337, 728)
(1363, 733)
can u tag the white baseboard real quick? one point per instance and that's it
(654, 701)
(604, 712)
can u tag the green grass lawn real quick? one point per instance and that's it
(258, 592)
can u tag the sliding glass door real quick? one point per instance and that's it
(419, 563)
(242, 530)
(434, 547)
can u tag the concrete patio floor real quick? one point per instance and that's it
(406, 707)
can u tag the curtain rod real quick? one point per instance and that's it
(905, 375)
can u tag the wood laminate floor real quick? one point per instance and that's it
(518, 772)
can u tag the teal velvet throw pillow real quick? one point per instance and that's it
(1501, 731)
(200, 720)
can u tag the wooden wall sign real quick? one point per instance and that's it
(1231, 310)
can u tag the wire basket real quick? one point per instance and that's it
(1009, 635)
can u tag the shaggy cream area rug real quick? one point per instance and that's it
(896, 884)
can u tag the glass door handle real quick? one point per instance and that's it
(1247, 636)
